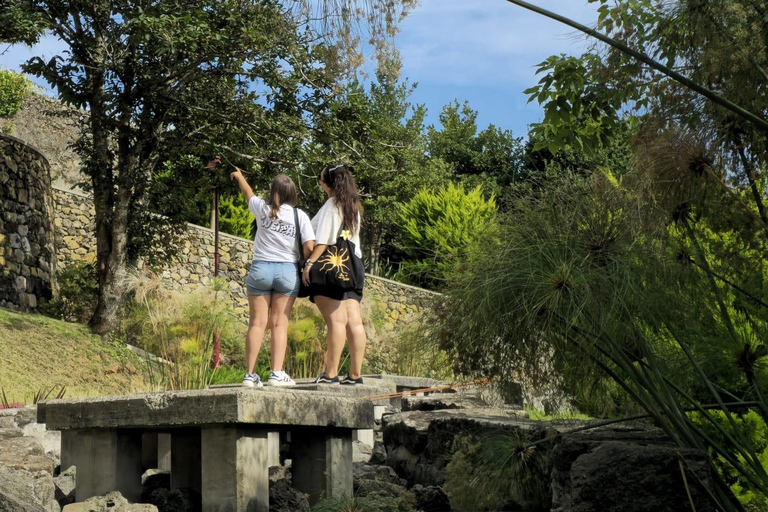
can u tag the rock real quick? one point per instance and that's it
(365, 472)
(361, 452)
(284, 498)
(8, 433)
(25, 453)
(112, 502)
(153, 479)
(65, 487)
(33, 490)
(18, 417)
(49, 439)
(627, 469)
(177, 500)
(11, 504)
(279, 473)
(431, 499)
(379, 454)
(420, 444)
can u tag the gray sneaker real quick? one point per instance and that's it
(252, 380)
(280, 379)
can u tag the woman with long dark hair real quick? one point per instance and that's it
(273, 279)
(341, 310)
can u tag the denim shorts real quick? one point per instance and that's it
(267, 277)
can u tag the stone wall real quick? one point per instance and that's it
(397, 306)
(51, 127)
(27, 249)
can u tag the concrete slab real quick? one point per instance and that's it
(405, 383)
(213, 406)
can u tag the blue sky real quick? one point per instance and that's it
(481, 51)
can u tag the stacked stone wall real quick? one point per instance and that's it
(27, 249)
(397, 306)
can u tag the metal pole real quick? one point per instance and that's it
(217, 335)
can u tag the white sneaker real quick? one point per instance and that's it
(252, 380)
(280, 379)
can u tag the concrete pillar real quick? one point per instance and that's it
(185, 459)
(322, 463)
(378, 411)
(235, 469)
(273, 457)
(164, 452)
(149, 450)
(108, 460)
(68, 444)
(364, 435)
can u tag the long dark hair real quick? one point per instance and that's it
(281, 191)
(345, 193)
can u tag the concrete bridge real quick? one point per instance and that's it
(219, 443)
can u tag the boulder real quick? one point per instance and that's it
(9, 503)
(25, 453)
(153, 479)
(50, 439)
(8, 433)
(628, 469)
(279, 473)
(33, 490)
(284, 498)
(420, 444)
(18, 417)
(379, 454)
(112, 502)
(361, 452)
(365, 472)
(65, 487)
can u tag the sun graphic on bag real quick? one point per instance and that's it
(335, 260)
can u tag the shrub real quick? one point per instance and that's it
(78, 294)
(496, 471)
(438, 230)
(234, 216)
(305, 355)
(15, 88)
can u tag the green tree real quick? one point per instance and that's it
(174, 58)
(491, 158)
(14, 90)
(439, 229)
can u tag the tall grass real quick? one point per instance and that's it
(179, 329)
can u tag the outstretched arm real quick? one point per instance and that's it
(244, 187)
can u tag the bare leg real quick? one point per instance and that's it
(258, 306)
(355, 337)
(335, 315)
(278, 322)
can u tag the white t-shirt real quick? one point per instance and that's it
(327, 225)
(276, 238)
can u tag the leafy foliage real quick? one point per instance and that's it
(78, 292)
(14, 91)
(497, 471)
(440, 228)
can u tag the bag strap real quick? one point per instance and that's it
(299, 244)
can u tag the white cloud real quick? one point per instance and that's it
(484, 42)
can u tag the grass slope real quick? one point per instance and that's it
(37, 352)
